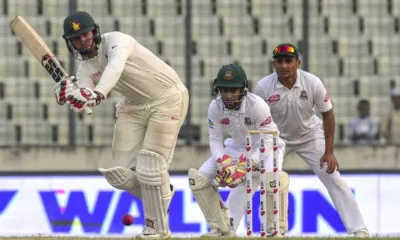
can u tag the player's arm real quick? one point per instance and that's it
(225, 167)
(216, 142)
(264, 122)
(119, 47)
(324, 106)
(259, 91)
(328, 119)
(83, 76)
(215, 131)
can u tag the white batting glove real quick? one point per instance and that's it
(64, 88)
(83, 97)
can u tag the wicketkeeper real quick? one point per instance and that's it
(234, 112)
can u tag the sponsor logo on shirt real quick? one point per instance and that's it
(225, 121)
(266, 122)
(210, 124)
(326, 99)
(274, 98)
(303, 95)
(174, 118)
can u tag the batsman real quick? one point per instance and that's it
(233, 112)
(148, 117)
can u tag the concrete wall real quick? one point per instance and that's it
(89, 159)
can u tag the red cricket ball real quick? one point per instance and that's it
(127, 219)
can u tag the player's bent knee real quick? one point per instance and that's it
(120, 177)
(197, 180)
(151, 168)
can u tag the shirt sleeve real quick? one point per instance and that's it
(321, 97)
(263, 119)
(118, 49)
(264, 122)
(259, 91)
(215, 131)
(83, 77)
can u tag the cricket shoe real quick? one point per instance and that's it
(215, 233)
(151, 233)
(279, 235)
(361, 233)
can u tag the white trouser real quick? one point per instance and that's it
(341, 195)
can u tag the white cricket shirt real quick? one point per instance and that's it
(293, 109)
(127, 67)
(254, 114)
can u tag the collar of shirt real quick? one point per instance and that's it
(296, 84)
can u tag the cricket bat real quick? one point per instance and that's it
(31, 39)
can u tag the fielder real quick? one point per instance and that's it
(234, 112)
(292, 95)
(148, 117)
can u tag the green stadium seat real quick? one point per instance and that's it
(126, 9)
(136, 26)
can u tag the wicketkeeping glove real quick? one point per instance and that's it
(223, 161)
(64, 88)
(235, 175)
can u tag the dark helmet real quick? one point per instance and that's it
(79, 23)
(232, 76)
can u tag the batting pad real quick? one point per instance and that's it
(122, 178)
(283, 201)
(152, 171)
(208, 199)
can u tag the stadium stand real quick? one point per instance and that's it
(352, 46)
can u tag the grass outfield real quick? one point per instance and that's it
(174, 238)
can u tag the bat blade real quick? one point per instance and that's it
(39, 49)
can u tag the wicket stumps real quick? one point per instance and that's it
(263, 183)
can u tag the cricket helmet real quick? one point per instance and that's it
(79, 23)
(231, 76)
